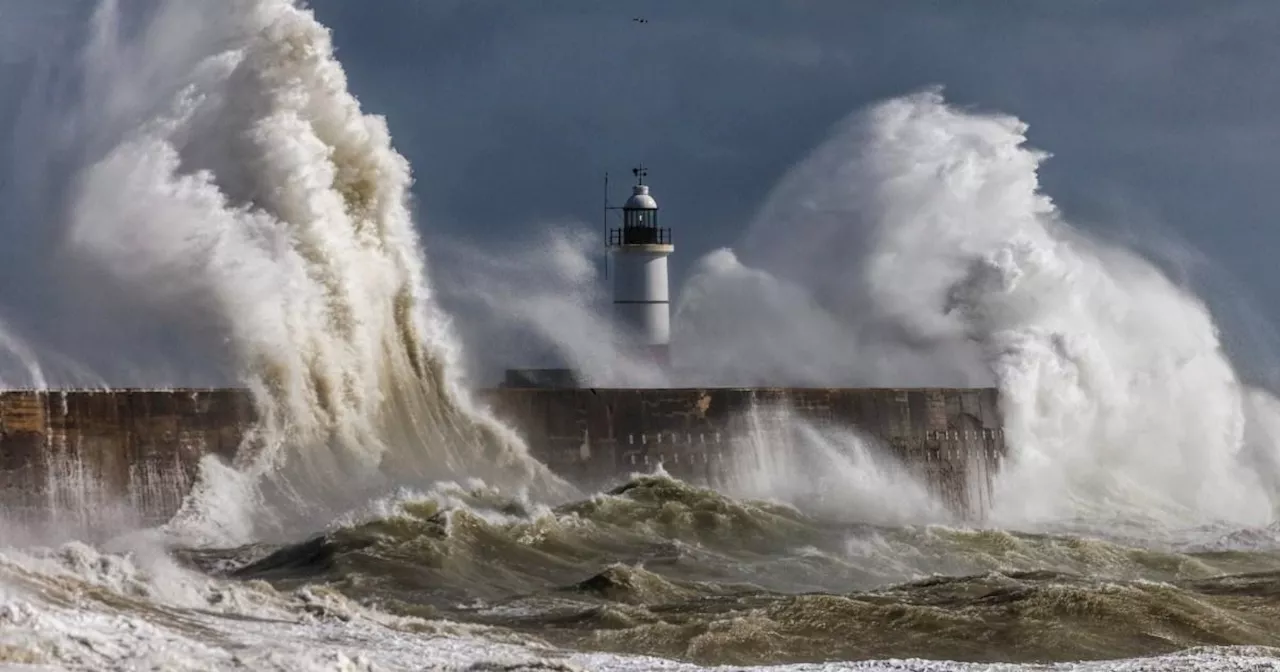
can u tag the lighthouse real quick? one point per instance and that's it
(640, 248)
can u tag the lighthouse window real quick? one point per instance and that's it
(640, 218)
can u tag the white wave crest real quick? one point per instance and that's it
(229, 186)
(916, 247)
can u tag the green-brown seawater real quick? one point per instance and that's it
(660, 567)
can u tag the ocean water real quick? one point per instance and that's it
(221, 190)
(656, 574)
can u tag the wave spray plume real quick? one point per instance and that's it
(919, 234)
(259, 204)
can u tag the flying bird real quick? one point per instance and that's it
(640, 20)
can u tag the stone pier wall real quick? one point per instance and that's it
(951, 439)
(73, 454)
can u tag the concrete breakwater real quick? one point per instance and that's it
(77, 454)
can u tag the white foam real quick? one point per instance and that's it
(75, 608)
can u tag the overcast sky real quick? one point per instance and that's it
(1161, 115)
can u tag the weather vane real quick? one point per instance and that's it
(640, 172)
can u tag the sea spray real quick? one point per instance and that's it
(19, 364)
(542, 299)
(921, 232)
(547, 289)
(915, 247)
(239, 186)
(736, 325)
(836, 473)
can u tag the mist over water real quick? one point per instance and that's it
(546, 290)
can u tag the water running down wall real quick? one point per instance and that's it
(71, 455)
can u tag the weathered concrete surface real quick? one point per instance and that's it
(72, 454)
(950, 438)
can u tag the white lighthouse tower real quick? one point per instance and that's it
(640, 249)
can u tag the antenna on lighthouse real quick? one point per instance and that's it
(605, 220)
